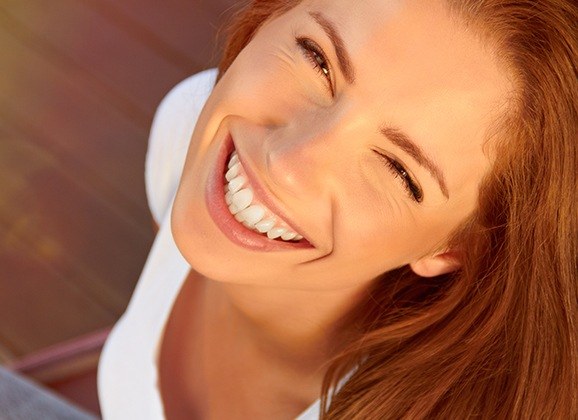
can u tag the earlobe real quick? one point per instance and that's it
(436, 265)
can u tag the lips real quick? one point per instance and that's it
(226, 222)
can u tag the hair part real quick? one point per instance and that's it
(498, 338)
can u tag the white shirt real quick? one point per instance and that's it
(128, 367)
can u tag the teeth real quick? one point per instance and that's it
(287, 236)
(239, 200)
(236, 184)
(233, 209)
(234, 160)
(233, 171)
(265, 225)
(242, 198)
(276, 232)
(252, 214)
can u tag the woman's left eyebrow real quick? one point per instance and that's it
(343, 57)
(404, 142)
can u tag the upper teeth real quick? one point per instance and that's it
(240, 199)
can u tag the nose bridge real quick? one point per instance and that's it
(300, 142)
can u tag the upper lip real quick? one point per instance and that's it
(266, 197)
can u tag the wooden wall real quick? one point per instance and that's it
(79, 83)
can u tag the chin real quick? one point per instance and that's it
(211, 254)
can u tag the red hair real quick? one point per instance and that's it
(498, 338)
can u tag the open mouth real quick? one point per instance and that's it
(243, 210)
(248, 210)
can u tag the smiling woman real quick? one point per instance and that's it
(374, 219)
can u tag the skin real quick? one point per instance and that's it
(416, 69)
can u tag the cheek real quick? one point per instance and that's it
(382, 234)
(372, 229)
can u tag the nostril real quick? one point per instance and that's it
(272, 124)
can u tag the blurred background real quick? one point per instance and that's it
(79, 83)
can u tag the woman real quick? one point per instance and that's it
(378, 209)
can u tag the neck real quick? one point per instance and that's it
(295, 326)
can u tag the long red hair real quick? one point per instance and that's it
(499, 337)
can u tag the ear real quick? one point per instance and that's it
(438, 264)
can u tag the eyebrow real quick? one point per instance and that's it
(342, 55)
(402, 140)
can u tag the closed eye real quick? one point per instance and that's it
(397, 169)
(318, 59)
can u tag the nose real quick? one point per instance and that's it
(302, 158)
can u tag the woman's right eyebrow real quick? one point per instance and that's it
(343, 57)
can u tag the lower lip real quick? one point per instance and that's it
(219, 211)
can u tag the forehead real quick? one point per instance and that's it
(418, 36)
(420, 68)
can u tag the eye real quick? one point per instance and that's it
(314, 53)
(412, 189)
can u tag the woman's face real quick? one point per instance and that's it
(358, 125)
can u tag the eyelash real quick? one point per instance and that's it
(399, 172)
(314, 53)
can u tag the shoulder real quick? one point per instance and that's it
(171, 130)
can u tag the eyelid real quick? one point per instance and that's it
(410, 184)
(309, 46)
